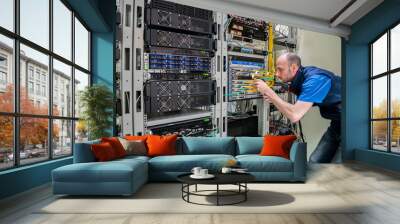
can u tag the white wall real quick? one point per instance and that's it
(324, 51)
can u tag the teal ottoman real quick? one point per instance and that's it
(119, 177)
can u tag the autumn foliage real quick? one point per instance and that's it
(380, 127)
(33, 131)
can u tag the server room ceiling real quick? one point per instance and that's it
(326, 16)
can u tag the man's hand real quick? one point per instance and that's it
(264, 90)
(262, 87)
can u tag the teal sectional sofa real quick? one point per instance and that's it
(125, 176)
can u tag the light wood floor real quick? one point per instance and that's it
(377, 188)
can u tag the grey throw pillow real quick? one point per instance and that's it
(134, 147)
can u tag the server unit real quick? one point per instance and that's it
(169, 97)
(196, 127)
(163, 38)
(169, 18)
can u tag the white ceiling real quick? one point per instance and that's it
(315, 15)
(319, 9)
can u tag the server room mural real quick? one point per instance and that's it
(192, 72)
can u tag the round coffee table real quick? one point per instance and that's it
(238, 179)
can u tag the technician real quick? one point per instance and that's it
(313, 87)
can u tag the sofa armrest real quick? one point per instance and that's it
(298, 155)
(83, 152)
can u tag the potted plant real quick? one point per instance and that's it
(96, 102)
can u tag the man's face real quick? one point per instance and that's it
(285, 72)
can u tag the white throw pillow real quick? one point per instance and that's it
(134, 147)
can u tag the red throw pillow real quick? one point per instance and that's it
(277, 145)
(116, 145)
(103, 152)
(136, 137)
(161, 145)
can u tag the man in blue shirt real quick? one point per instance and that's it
(313, 87)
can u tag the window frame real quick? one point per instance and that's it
(388, 74)
(15, 68)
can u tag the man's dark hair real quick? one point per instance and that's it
(293, 59)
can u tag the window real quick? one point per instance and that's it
(47, 130)
(35, 21)
(385, 95)
(55, 101)
(37, 74)
(395, 47)
(81, 81)
(30, 88)
(62, 74)
(6, 73)
(33, 147)
(62, 29)
(81, 45)
(30, 72)
(6, 142)
(3, 73)
(37, 89)
(3, 78)
(7, 14)
(44, 91)
(62, 137)
(3, 61)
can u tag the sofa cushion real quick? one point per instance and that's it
(185, 163)
(134, 147)
(257, 163)
(249, 145)
(277, 145)
(161, 145)
(136, 137)
(112, 171)
(206, 145)
(116, 145)
(132, 158)
(103, 152)
(83, 152)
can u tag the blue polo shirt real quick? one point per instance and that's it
(315, 88)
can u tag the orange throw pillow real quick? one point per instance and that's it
(161, 145)
(103, 152)
(136, 137)
(116, 145)
(277, 145)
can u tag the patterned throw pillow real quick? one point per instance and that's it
(134, 147)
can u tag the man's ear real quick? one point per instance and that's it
(293, 69)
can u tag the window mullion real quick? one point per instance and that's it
(16, 70)
(389, 104)
(371, 89)
(73, 82)
(50, 81)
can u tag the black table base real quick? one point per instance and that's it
(241, 191)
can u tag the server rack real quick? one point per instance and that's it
(168, 75)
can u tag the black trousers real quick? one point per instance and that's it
(328, 145)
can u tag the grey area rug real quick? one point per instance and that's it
(166, 198)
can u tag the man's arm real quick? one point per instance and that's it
(294, 112)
